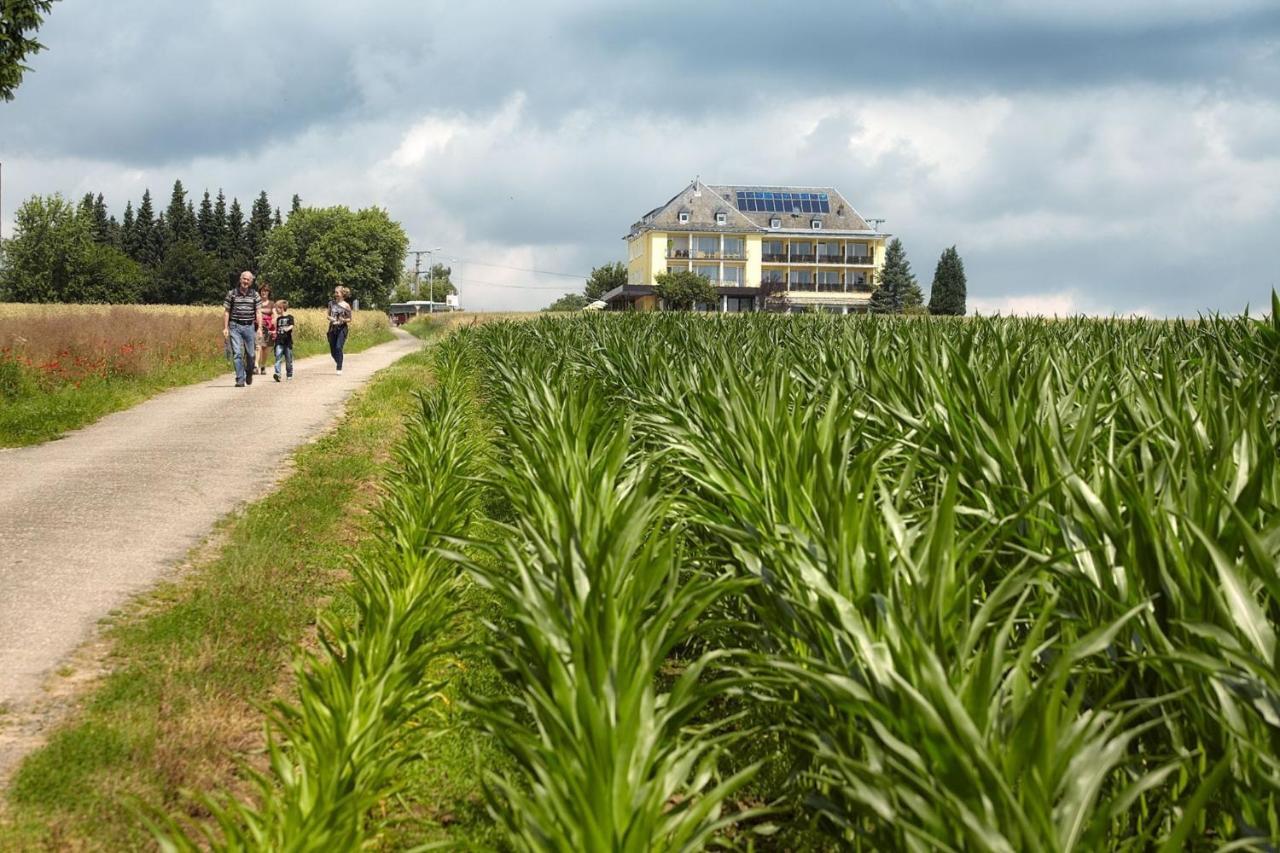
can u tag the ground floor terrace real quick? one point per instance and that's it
(738, 300)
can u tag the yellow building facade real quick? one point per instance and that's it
(762, 248)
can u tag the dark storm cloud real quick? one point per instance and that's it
(834, 46)
(144, 82)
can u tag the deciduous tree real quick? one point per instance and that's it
(605, 278)
(569, 302)
(319, 248)
(52, 257)
(682, 290)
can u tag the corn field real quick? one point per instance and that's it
(825, 583)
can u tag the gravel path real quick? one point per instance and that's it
(89, 520)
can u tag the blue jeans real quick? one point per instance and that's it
(284, 352)
(242, 349)
(337, 340)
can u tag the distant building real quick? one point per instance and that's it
(402, 312)
(763, 248)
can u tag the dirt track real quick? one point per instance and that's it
(91, 519)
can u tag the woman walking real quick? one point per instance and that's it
(267, 328)
(339, 321)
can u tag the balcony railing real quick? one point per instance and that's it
(803, 259)
(677, 253)
(830, 259)
(860, 260)
(774, 258)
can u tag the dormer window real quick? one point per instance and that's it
(684, 217)
(816, 224)
(721, 217)
(775, 222)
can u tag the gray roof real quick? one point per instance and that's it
(703, 202)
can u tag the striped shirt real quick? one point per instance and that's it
(243, 307)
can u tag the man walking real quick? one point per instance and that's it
(241, 314)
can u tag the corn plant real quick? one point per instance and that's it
(337, 752)
(592, 579)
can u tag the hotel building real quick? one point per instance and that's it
(763, 248)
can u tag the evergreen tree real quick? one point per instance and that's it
(180, 226)
(278, 221)
(145, 237)
(204, 225)
(101, 221)
(157, 242)
(259, 226)
(296, 205)
(898, 288)
(221, 238)
(236, 249)
(947, 296)
(113, 232)
(129, 232)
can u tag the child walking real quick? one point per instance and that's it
(284, 339)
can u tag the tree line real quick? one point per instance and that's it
(192, 254)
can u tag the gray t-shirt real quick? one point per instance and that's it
(339, 313)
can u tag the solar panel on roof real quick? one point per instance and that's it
(760, 201)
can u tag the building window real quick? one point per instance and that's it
(775, 222)
(733, 275)
(734, 249)
(816, 223)
(720, 218)
(684, 217)
(706, 247)
(710, 273)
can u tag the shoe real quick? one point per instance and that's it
(276, 376)
(248, 380)
(339, 370)
(289, 378)
(239, 384)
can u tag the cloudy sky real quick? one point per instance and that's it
(1096, 155)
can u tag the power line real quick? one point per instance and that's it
(508, 286)
(519, 269)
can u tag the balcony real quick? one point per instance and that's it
(708, 256)
(804, 259)
(677, 254)
(830, 259)
(860, 260)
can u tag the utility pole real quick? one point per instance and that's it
(417, 265)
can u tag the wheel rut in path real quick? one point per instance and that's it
(92, 519)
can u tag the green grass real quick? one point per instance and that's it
(195, 661)
(38, 415)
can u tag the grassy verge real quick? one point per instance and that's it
(48, 393)
(194, 662)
